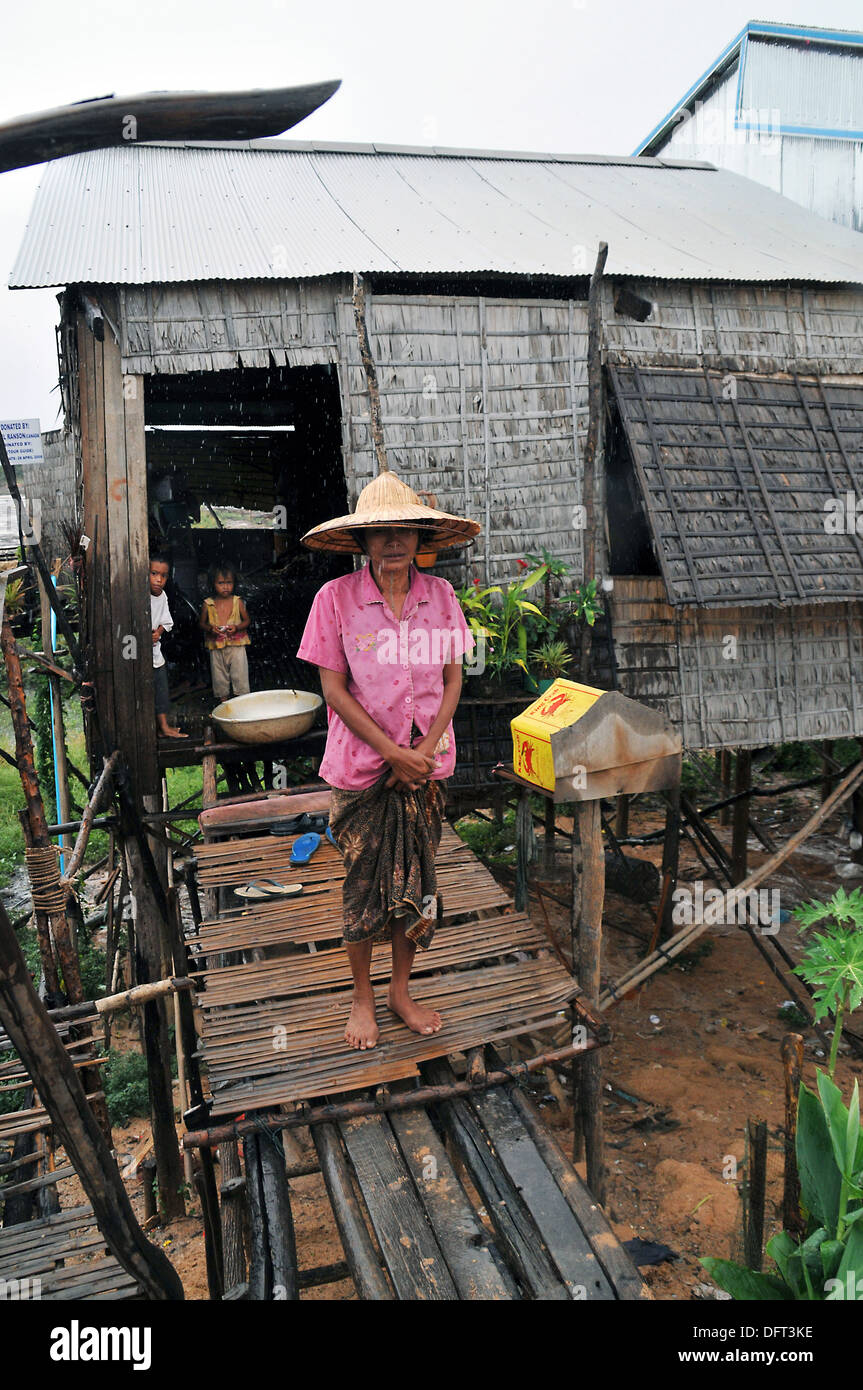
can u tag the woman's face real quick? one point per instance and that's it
(390, 549)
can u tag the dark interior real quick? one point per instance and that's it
(629, 539)
(234, 451)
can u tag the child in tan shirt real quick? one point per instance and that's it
(225, 621)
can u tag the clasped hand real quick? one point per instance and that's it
(410, 768)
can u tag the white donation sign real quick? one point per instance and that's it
(23, 440)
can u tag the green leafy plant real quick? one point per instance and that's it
(832, 964)
(125, 1082)
(554, 570)
(498, 615)
(551, 659)
(584, 604)
(827, 1264)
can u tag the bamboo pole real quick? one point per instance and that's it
(354, 1109)
(690, 933)
(90, 810)
(368, 362)
(594, 442)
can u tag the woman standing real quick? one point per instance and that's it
(388, 642)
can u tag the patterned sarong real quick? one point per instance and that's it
(388, 840)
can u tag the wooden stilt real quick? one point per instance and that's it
(280, 1221)
(829, 776)
(525, 847)
(670, 863)
(792, 1066)
(756, 1185)
(272, 1258)
(575, 1065)
(369, 1279)
(232, 1191)
(548, 838)
(38, 1045)
(740, 822)
(588, 945)
(149, 927)
(725, 783)
(621, 817)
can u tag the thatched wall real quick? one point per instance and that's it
(746, 328)
(741, 677)
(484, 405)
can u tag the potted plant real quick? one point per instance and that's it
(497, 616)
(548, 662)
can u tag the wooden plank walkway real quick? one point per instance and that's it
(274, 994)
(273, 1028)
(63, 1257)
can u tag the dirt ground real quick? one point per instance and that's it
(695, 1054)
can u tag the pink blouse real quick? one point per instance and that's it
(395, 667)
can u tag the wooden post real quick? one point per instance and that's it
(586, 950)
(725, 784)
(38, 1045)
(232, 1190)
(621, 818)
(756, 1186)
(829, 781)
(740, 822)
(670, 863)
(549, 830)
(148, 968)
(792, 1066)
(525, 847)
(593, 446)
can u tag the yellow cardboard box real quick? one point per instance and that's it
(562, 704)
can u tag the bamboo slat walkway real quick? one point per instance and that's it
(273, 1027)
(61, 1257)
(274, 993)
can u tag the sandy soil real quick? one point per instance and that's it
(695, 1053)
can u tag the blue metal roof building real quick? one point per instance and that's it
(782, 105)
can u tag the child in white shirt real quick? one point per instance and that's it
(161, 622)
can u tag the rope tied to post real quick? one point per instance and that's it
(47, 888)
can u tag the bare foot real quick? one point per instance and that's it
(418, 1019)
(362, 1030)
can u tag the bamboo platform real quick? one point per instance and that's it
(273, 1028)
(61, 1257)
(273, 999)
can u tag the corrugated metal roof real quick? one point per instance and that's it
(170, 213)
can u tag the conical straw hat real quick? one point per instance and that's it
(387, 501)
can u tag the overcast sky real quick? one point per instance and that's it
(577, 76)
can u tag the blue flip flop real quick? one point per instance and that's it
(331, 837)
(305, 847)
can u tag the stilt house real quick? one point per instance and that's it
(209, 357)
